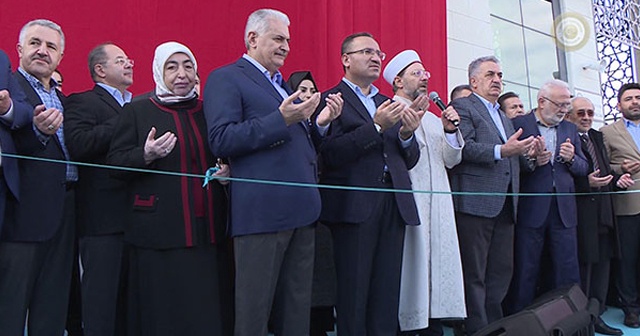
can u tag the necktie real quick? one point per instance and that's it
(591, 150)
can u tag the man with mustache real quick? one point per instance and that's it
(622, 140)
(36, 251)
(90, 120)
(371, 144)
(431, 283)
(547, 222)
(490, 163)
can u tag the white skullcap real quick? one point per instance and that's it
(399, 63)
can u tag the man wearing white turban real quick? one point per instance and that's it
(431, 282)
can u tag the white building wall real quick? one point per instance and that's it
(470, 36)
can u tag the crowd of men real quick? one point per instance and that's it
(404, 261)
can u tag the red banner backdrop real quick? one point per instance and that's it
(214, 31)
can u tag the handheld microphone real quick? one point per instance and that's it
(436, 99)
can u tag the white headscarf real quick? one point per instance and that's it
(163, 52)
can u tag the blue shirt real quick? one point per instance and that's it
(50, 100)
(116, 94)
(370, 105)
(634, 131)
(276, 80)
(494, 112)
(367, 100)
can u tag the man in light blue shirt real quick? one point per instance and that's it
(256, 122)
(490, 163)
(36, 249)
(90, 119)
(622, 140)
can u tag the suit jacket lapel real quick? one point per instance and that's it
(562, 134)
(107, 98)
(479, 105)
(596, 141)
(34, 99)
(255, 75)
(352, 99)
(32, 95)
(620, 127)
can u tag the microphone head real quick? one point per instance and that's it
(434, 96)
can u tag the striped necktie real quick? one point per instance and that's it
(591, 150)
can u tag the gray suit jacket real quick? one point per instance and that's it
(620, 146)
(479, 171)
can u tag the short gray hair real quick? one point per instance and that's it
(43, 23)
(259, 22)
(475, 64)
(97, 55)
(547, 87)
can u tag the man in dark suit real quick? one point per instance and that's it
(490, 164)
(101, 201)
(547, 221)
(15, 112)
(36, 250)
(597, 227)
(253, 121)
(371, 144)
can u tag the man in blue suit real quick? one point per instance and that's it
(15, 112)
(547, 221)
(256, 123)
(36, 250)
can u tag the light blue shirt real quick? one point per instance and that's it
(367, 100)
(634, 131)
(550, 134)
(370, 105)
(116, 94)
(494, 112)
(276, 80)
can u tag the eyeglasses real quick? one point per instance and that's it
(420, 73)
(582, 113)
(561, 106)
(124, 61)
(369, 52)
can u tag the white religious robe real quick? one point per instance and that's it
(431, 284)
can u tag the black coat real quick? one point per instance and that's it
(89, 123)
(162, 208)
(595, 212)
(354, 154)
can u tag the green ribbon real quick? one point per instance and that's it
(209, 176)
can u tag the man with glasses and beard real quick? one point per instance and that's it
(547, 221)
(622, 140)
(431, 283)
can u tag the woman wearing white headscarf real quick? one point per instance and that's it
(179, 274)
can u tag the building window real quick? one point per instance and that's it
(617, 32)
(525, 46)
